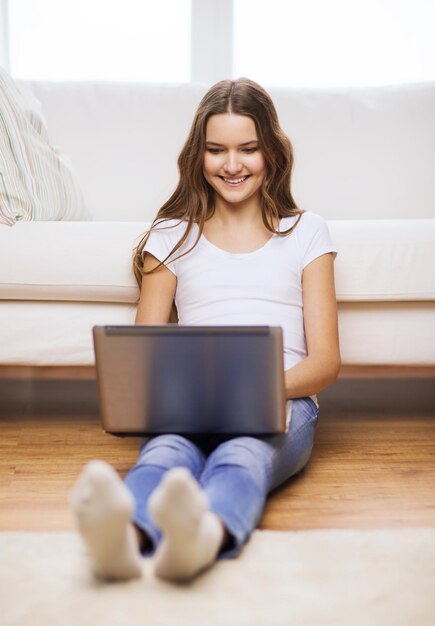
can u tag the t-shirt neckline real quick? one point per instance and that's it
(220, 250)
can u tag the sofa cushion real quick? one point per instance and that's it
(36, 182)
(60, 333)
(75, 261)
(380, 333)
(360, 152)
(384, 260)
(378, 260)
(55, 333)
(123, 138)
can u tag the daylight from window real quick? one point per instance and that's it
(335, 43)
(100, 39)
(286, 43)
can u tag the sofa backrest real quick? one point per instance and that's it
(360, 153)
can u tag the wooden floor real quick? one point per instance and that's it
(367, 471)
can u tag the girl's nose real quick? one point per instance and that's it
(232, 164)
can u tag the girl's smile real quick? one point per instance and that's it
(234, 164)
(235, 182)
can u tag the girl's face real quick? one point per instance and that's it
(233, 164)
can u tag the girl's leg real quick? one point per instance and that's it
(192, 534)
(236, 479)
(170, 502)
(156, 457)
(241, 472)
(105, 507)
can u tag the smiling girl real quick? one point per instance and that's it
(230, 247)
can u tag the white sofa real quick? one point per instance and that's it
(364, 159)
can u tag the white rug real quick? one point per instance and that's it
(328, 578)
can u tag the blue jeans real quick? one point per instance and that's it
(236, 473)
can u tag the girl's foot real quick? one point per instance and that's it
(103, 507)
(192, 534)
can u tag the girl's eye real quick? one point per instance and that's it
(220, 150)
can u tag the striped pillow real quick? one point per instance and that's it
(36, 182)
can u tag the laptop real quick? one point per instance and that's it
(190, 379)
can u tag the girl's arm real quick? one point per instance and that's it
(156, 294)
(320, 368)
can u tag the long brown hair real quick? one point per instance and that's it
(193, 199)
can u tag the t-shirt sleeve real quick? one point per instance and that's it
(315, 238)
(160, 243)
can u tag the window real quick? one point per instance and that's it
(314, 43)
(280, 43)
(100, 39)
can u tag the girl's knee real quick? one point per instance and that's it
(245, 450)
(170, 451)
(244, 454)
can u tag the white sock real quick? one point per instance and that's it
(192, 534)
(103, 507)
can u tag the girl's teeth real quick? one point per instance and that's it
(235, 181)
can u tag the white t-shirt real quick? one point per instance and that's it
(263, 287)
